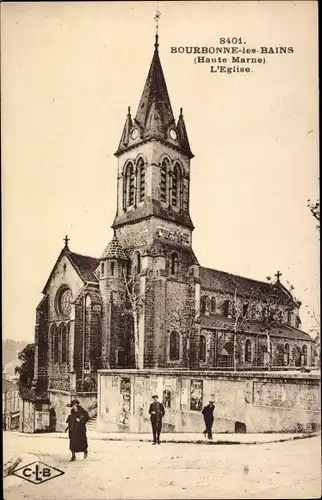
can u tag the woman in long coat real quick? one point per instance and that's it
(76, 426)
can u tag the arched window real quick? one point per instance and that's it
(304, 355)
(112, 268)
(164, 180)
(63, 344)
(55, 343)
(227, 308)
(286, 354)
(213, 304)
(174, 346)
(102, 268)
(202, 348)
(248, 351)
(254, 312)
(289, 317)
(203, 304)
(226, 356)
(245, 308)
(174, 263)
(141, 181)
(176, 186)
(136, 262)
(128, 186)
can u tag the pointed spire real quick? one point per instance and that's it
(182, 134)
(126, 130)
(155, 101)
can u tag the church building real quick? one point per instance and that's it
(147, 302)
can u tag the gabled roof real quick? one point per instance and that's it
(84, 265)
(212, 279)
(217, 321)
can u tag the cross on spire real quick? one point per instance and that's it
(156, 18)
(278, 275)
(66, 240)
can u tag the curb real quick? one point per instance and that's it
(106, 437)
(10, 466)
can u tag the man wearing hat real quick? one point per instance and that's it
(77, 429)
(208, 415)
(157, 413)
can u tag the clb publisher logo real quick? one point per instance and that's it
(37, 472)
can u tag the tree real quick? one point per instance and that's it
(26, 370)
(185, 319)
(135, 300)
(315, 211)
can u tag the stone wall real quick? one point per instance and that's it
(59, 401)
(263, 402)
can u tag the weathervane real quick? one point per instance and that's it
(156, 18)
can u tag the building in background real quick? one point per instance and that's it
(10, 405)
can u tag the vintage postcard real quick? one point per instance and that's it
(161, 232)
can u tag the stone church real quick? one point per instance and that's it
(147, 302)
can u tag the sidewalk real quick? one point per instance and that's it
(184, 438)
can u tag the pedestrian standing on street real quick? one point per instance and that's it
(208, 415)
(76, 426)
(157, 413)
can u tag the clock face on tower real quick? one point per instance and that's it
(135, 133)
(173, 134)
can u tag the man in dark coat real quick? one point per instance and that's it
(208, 415)
(76, 426)
(157, 413)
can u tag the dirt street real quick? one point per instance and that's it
(134, 470)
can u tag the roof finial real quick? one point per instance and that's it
(156, 18)
(278, 275)
(66, 240)
(128, 110)
(181, 111)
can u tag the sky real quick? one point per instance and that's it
(69, 72)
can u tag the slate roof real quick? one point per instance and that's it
(154, 117)
(222, 322)
(85, 265)
(153, 208)
(114, 250)
(212, 279)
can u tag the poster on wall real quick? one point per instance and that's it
(196, 394)
(125, 385)
(166, 398)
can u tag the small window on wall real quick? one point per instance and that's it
(203, 304)
(174, 346)
(174, 263)
(304, 355)
(136, 262)
(245, 308)
(286, 354)
(112, 268)
(289, 317)
(202, 348)
(213, 304)
(248, 351)
(102, 268)
(226, 308)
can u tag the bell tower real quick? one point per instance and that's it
(152, 226)
(154, 156)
